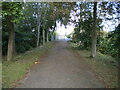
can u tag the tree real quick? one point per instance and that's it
(94, 32)
(84, 25)
(11, 12)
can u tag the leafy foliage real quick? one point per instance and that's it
(107, 42)
(27, 17)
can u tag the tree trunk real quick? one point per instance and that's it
(39, 24)
(38, 35)
(47, 36)
(14, 49)
(43, 41)
(52, 35)
(10, 42)
(94, 32)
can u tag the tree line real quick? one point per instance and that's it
(32, 24)
(89, 33)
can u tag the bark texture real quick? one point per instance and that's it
(94, 33)
(10, 40)
(43, 38)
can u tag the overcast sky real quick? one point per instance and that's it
(61, 30)
(109, 25)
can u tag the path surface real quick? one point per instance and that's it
(61, 68)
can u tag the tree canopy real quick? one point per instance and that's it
(32, 24)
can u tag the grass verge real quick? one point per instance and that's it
(105, 66)
(14, 70)
(0, 75)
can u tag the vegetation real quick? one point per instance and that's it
(107, 42)
(0, 75)
(26, 26)
(21, 64)
(89, 32)
(104, 65)
(31, 25)
(89, 29)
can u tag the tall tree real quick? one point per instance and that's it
(39, 10)
(11, 38)
(94, 32)
(11, 12)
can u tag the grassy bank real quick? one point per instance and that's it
(16, 68)
(105, 66)
(0, 75)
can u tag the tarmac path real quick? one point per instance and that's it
(61, 68)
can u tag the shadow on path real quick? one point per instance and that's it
(61, 68)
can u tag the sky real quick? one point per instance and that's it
(109, 25)
(61, 30)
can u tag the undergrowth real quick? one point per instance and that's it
(15, 69)
(105, 66)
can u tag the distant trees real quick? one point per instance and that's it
(114, 42)
(30, 24)
(88, 30)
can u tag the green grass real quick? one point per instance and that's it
(105, 66)
(16, 68)
(0, 75)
